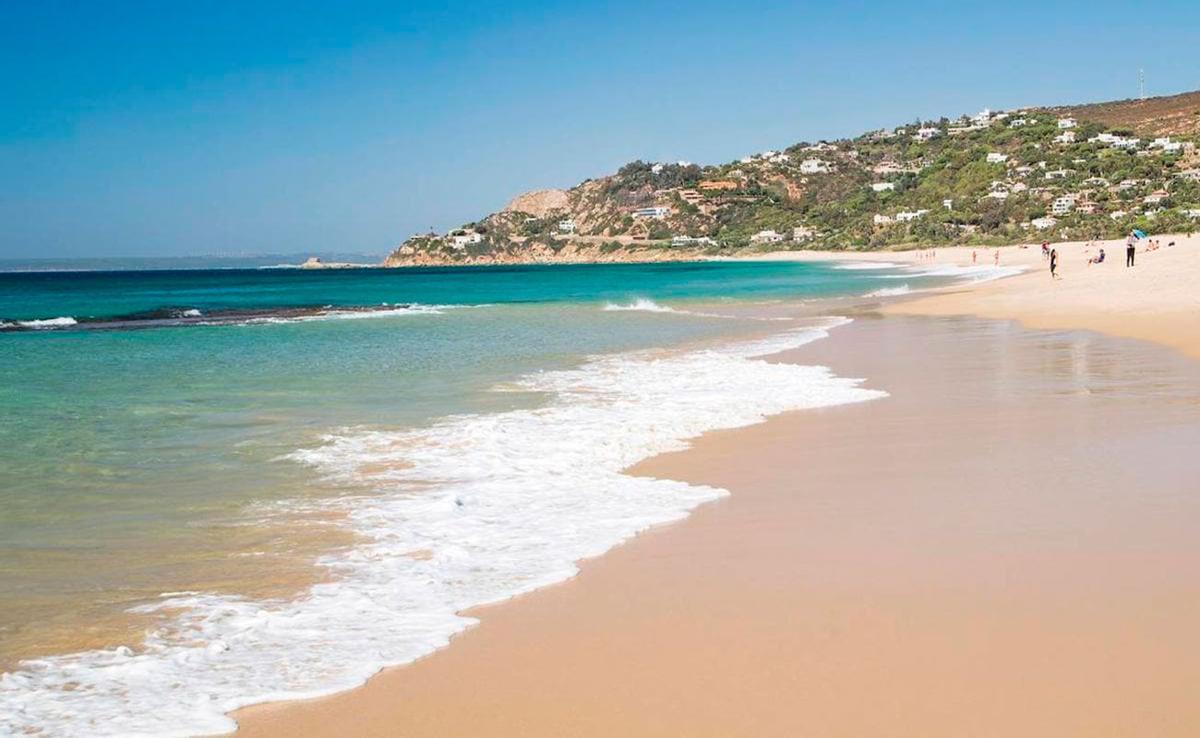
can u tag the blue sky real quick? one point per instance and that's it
(190, 128)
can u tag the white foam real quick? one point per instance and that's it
(890, 291)
(474, 509)
(970, 274)
(641, 304)
(645, 305)
(47, 323)
(865, 265)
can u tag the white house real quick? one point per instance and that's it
(996, 157)
(926, 133)
(1166, 144)
(813, 166)
(566, 225)
(1063, 205)
(767, 236)
(1117, 214)
(1192, 174)
(998, 194)
(948, 203)
(907, 215)
(1065, 137)
(658, 212)
(1056, 174)
(1192, 213)
(1043, 223)
(1018, 122)
(692, 241)
(803, 233)
(883, 186)
(1156, 197)
(780, 159)
(881, 219)
(462, 240)
(1065, 123)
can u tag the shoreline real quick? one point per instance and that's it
(312, 717)
(638, 643)
(1154, 301)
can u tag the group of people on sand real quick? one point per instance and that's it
(1131, 240)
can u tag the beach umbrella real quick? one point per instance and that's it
(1139, 234)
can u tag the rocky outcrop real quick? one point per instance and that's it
(538, 203)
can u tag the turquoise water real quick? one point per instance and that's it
(155, 455)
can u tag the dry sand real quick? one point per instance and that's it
(1156, 300)
(1003, 547)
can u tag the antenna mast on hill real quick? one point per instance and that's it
(1141, 84)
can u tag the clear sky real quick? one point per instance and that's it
(163, 128)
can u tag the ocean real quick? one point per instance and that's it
(222, 487)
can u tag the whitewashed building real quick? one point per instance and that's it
(767, 236)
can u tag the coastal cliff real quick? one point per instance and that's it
(992, 178)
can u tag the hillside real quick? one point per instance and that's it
(1173, 115)
(1085, 171)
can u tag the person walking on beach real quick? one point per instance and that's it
(1129, 250)
(996, 258)
(972, 257)
(1053, 263)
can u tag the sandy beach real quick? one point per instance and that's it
(1003, 546)
(1156, 300)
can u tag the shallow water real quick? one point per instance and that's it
(184, 486)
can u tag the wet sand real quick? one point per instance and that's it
(1005, 546)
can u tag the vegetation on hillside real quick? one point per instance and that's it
(993, 178)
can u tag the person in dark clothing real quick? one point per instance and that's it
(1053, 263)
(1129, 251)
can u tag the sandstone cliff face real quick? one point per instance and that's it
(538, 203)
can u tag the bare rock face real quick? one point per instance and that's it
(538, 203)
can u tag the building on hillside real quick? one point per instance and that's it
(1063, 205)
(1166, 144)
(1192, 213)
(1156, 197)
(462, 239)
(1087, 207)
(780, 159)
(1057, 174)
(714, 185)
(566, 225)
(813, 166)
(1190, 174)
(1043, 223)
(767, 236)
(691, 197)
(1018, 122)
(948, 203)
(996, 157)
(926, 133)
(1066, 137)
(1066, 123)
(803, 233)
(692, 241)
(881, 219)
(883, 186)
(657, 212)
(1018, 187)
(998, 194)
(1096, 182)
(906, 215)
(1117, 214)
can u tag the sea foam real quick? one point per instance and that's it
(474, 509)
